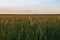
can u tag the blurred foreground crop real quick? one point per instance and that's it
(29, 27)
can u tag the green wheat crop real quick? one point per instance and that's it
(29, 27)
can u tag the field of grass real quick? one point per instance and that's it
(29, 27)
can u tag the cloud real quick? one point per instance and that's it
(28, 4)
(17, 3)
(20, 2)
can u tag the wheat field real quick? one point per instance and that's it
(29, 27)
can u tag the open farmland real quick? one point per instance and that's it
(30, 27)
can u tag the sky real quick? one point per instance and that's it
(35, 6)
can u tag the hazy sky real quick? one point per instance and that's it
(18, 5)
